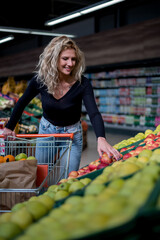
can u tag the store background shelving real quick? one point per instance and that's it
(128, 98)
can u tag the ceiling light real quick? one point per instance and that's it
(63, 19)
(80, 12)
(6, 39)
(32, 31)
(100, 6)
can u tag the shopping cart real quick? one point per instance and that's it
(52, 152)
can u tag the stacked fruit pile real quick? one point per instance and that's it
(128, 148)
(93, 205)
(101, 206)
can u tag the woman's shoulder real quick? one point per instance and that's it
(85, 81)
(36, 81)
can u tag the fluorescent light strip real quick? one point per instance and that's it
(32, 31)
(63, 19)
(6, 39)
(92, 9)
(80, 12)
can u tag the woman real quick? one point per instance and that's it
(62, 87)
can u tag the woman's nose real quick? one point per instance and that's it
(70, 63)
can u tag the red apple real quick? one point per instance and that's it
(138, 150)
(153, 146)
(93, 165)
(149, 140)
(105, 159)
(102, 165)
(73, 174)
(127, 155)
(123, 149)
(81, 174)
(81, 171)
(151, 135)
(85, 168)
(87, 171)
(133, 153)
(157, 141)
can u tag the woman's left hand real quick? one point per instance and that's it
(104, 146)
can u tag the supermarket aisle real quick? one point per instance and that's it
(114, 136)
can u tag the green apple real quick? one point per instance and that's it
(36, 209)
(71, 180)
(116, 184)
(31, 158)
(24, 237)
(156, 151)
(131, 159)
(47, 220)
(61, 194)
(53, 188)
(33, 198)
(126, 168)
(85, 181)
(75, 186)
(20, 156)
(57, 213)
(50, 194)
(143, 159)
(94, 189)
(22, 218)
(74, 200)
(9, 230)
(17, 206)
(63, 186)
(98, 222)
(5, 217)
(145, 153)
(46, 200)
(89, 207)
(102, 178)
(147, 132)
(155, 158)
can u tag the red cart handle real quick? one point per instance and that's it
(63, 135)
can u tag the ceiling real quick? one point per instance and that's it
(34, 13)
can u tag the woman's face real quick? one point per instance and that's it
(67, 61)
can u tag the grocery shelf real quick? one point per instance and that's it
(124, 126)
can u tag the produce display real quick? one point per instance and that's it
(96, 208)
(107, 199)
(131, 147)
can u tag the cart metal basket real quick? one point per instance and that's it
(52, 152)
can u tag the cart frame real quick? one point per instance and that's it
(60, 146)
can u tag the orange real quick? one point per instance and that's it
(22, 159)
(9, 158)
(1, 159)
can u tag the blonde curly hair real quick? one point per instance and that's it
(47, 72)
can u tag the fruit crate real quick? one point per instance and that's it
(144, 221)
(52, 153)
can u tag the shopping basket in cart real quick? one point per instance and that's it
(52, 152)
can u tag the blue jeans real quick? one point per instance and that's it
(46, 127)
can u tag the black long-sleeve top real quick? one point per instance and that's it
(64, 111)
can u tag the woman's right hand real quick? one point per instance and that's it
(7, 132)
